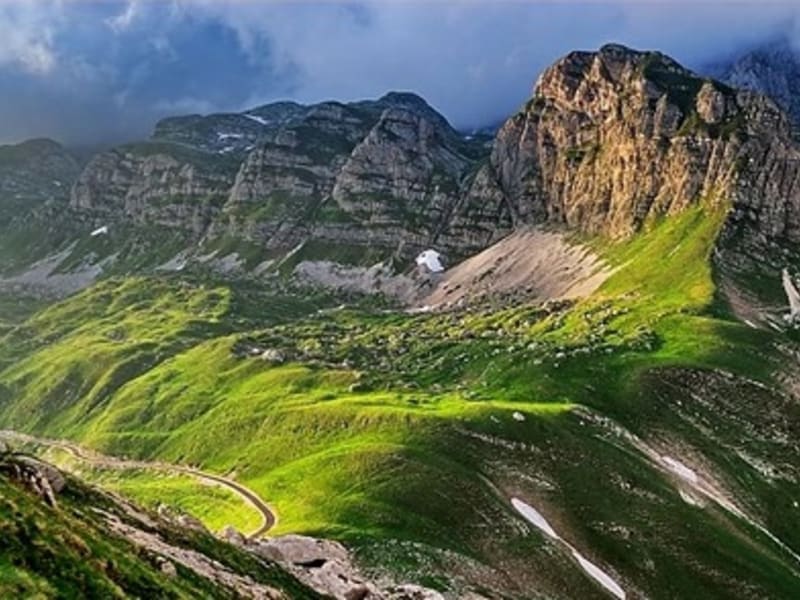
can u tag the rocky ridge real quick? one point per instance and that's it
(34, 171)
(615, 138)
(381, 173)
(610, 141)
(772, 69)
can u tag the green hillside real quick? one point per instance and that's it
(67, 551)
(407, 435)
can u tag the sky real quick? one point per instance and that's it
(102, 71)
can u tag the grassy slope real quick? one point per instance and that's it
(215, 506)
(412, 436)
(67, 552)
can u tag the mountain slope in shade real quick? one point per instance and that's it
(772, 69)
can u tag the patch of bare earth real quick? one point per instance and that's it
(534, 264)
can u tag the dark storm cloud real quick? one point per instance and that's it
(92, 71)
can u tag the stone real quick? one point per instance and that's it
(166, 567)
(231, 535)
(190, 522)
(273, 355)
(54, 478)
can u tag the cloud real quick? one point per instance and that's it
(122, 21)
(117, 66)
(27, 37)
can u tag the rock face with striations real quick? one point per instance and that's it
(161, 183)
(609, 140)
(384, 173)
(613, 138)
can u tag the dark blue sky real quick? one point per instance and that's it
(104, 70)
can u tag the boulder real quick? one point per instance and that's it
(274, 356)
(231, 535)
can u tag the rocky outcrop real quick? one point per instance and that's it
(327, 567)
(609, 141)
(40, 478)
(614, 138)
(384, 173)
(159, 183)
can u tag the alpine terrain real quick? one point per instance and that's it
(345, 350)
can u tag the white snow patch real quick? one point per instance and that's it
(432, 260)
(204, 258)
(599, 575)
(518, 416)
(258, 119)
(680, 469)
(534, 517)
(100, 231)
(291, 253)
(749, 323)
(176, 263)
(230, 136)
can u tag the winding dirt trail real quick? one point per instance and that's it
(268, 518)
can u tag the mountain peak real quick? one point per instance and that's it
(403, 99)
(772, 68)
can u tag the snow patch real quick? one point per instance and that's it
(230, 136)
(690, 499)
(176, 263)
(100, 231)
(534, 517)
(432, 260)
(257, 119)
(599, 575)
(680, 469)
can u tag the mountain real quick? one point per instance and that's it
(613, 139)
(597, 398)
(33, 171)
(772, 68)
(381, 173)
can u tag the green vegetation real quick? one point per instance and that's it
(68, 552)
(405, 435)
(215, 506)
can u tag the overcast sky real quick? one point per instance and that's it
(104, 70)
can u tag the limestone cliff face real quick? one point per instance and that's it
(384, 173)
(609, 140)
(615, 137)
(154, 183)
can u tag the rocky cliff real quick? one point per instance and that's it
(609, 141)
(614, 138)
(383, 173)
